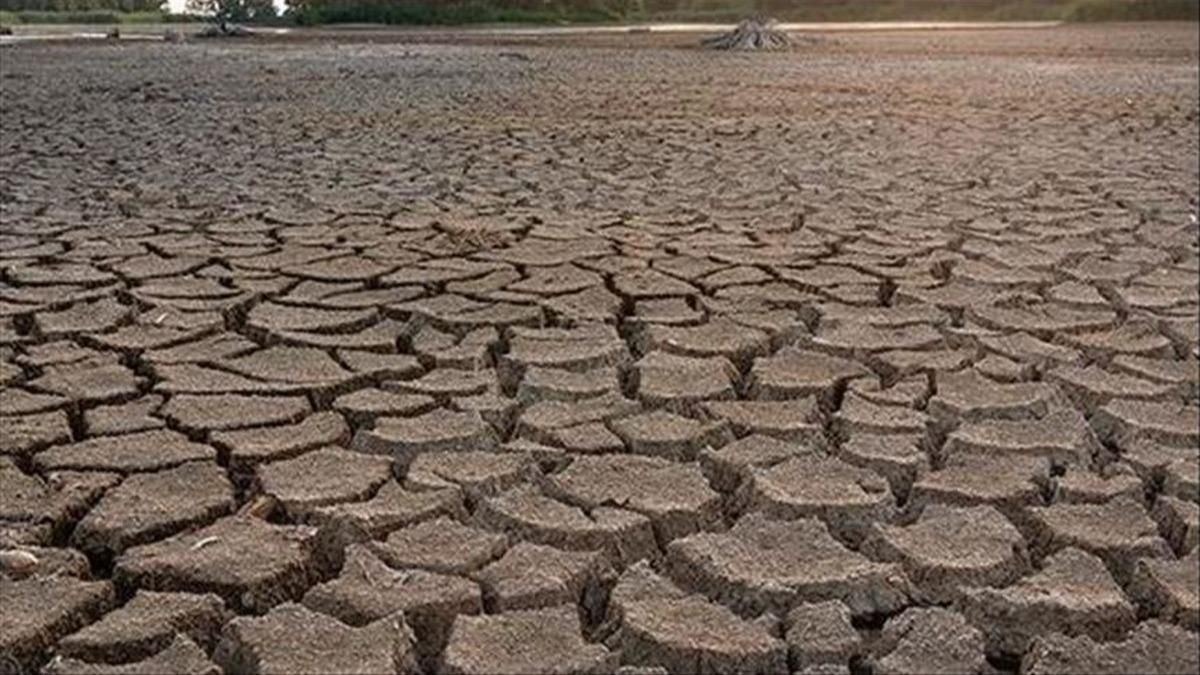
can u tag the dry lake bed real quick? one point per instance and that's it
(453, 352)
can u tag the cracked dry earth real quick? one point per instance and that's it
(617, 357)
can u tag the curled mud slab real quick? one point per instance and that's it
(420, 352)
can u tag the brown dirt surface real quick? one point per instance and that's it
(450, 351)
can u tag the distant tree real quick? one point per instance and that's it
(81, 5)
(226, 13)
(622, 10)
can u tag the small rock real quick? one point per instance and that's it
(21, 562)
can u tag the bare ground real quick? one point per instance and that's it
(398, 351)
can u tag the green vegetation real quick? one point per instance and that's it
(935, 10)
(458, 12)
(311, 12)
(870, 10)
(443, 12)
(233, 11)
(1131, 10)
(10, 18)
(85, 11)
(81, 5)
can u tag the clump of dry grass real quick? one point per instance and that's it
(472, 233)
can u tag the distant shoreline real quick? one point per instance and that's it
(484, 14)
(50, 32)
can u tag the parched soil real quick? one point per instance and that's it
(388, 351)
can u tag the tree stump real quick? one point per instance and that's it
(758, 34)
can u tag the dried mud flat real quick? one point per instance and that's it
(539, 357)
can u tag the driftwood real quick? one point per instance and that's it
(752, 35)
